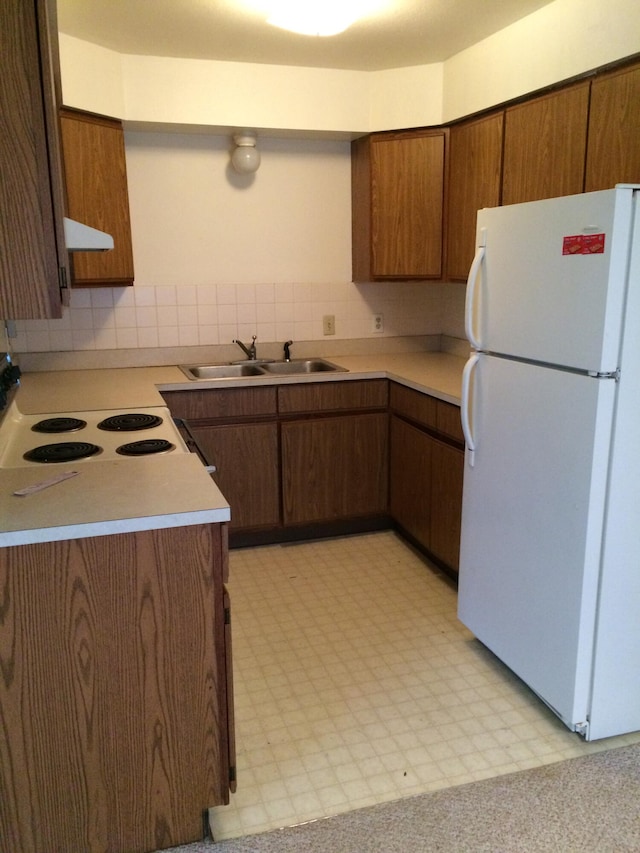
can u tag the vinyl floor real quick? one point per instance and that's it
(355, 684)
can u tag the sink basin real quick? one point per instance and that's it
(220, 371)
(309, 365)
(277, 368)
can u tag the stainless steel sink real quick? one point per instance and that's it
(309, 365)
(278, 368)
(220, 371)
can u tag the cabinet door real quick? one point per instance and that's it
(397, 198)
(97, 195)
(334, 468)
(613, 150)
(407, 194)
(545, 146)
(246, 460)
(410, 479)
(475, 168)
(30, 201)
(447, 470)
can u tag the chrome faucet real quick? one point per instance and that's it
(250, 351)
(287, 353)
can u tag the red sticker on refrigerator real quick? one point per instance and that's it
(583, 244)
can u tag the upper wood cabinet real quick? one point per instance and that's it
(398, 182)
(545, 142)
(97, 195)
(475, 169)
(31, 197)
(613, 150)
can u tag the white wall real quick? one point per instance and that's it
(217, 259)
(219, 256)
(562, 39)
(559, 41)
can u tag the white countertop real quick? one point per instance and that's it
(167, 491)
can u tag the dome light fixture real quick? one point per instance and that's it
(245, 157)
(318, 17)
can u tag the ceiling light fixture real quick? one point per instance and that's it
(245, 157)
(318, 17)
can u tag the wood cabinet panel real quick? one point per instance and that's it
(113, 699)
(426, 473)
(613, 150)
(448, 420)
(397, 205)
(97, 194)
(246, 457)
(333, 396)
(409, 480)
(334, 468)
(545, 146)
(407, 196)
(427, 411)
(475, 171)
(413, 405)
(31, 203)
(447, 474)
(216, 404)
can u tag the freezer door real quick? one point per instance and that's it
(551, 282)
(532, 518)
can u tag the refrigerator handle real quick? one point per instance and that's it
(472, 287)
(465, 407)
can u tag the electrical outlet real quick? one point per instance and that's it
(377, 323)
(329, 324)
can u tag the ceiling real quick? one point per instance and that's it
(402, 33)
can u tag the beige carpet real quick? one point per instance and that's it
(584, 805)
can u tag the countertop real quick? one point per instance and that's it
(166, 491)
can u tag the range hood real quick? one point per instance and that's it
(82, 238)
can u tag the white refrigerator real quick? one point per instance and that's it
(550, 551)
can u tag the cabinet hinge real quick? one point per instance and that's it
(232, 774)
(227, 616)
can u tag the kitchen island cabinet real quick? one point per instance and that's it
(97, 195)
(115, 695)
(398, 182)
(33, 260)
(426, 472)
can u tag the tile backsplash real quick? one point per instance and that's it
(182, 315)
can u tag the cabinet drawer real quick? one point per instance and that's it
(427, 411)
(448, 420)
(214, 404)
(333, 396)
(413, 405)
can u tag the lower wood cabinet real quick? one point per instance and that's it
(410, 478)
(115, 692)
(319, 457)
(447, 469)
(247, 470)
(334, 468)
(426, 472)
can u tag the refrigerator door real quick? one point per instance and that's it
(532, 519)
(551, 282)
